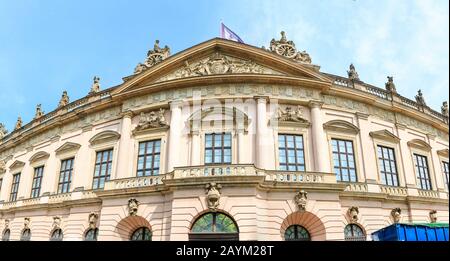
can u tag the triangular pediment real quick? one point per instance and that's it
(219, 59)
(384, 135)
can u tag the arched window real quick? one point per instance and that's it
(26, 235)
(354, 232)
(6, 234)
(296, 233)
(141, 234)
(57, 235)
(91, 234)
(214, 226)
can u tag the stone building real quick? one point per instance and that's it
(225, 141)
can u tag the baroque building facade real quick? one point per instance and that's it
(225, 141)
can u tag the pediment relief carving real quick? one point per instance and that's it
(341, 126)
(104, 136)
(289, 116)
(443, 153)
(17, 165)
(384, 135)
(217, 63)
(419, 144)
(151, 120)
(68, 146)
(41, 155)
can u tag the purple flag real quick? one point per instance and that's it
(230, 35)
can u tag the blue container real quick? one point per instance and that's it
(412, 232)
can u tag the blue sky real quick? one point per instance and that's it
(50, 46)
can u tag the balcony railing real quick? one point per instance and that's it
(304, 177)
(134, 182)
(356, 187)
(428, 193)
(394, 191)
(215, 170)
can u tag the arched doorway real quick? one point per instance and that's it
(303, 226)
(215, 226)
(353, 232)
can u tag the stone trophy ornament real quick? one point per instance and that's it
(396, 215)
(133, 206)
(39, 112)
(64, 100)
(287, 49)
(301, 199)
(153, 119)
(95, 85)
(92, 219)
(390, 86)
(290, 114)
(18, 123)
(3, 131)
(154, 57)
(56, 222)
(353, 213)
(433, 216)
(212, 191)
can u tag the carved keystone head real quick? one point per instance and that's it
(56, 222)
(212, 191)
(301, 199)
(93, 217)
(133, 205)
(6, 223)
(396, 214)
(26, 222)
(433, 216)
(353, 213)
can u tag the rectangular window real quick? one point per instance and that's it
(445, 166)
(14, 187)
(422, 172)
(291, 152)
(103, 165)
(1, 181)
(343, 160)
(37, 181)
(148, 158)
(65, 175)
(388, 166)
(217, 148)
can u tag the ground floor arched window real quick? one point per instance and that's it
(6, 234)
(214, 226)
(57, 235)
(141, 234)
(26, 235)
(91, 234)
(353, 232)
(296, 233)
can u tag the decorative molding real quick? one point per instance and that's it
(151, 120)
(384, 135)
(16, 165)
(443, 153)
(212, 191)
(238, 118)
(419, 144)
(68, 146)
(133, 206)
(341, 126)
(41, 155)
(104, 137)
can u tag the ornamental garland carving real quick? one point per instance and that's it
(153, 119)
(287, 49)
(154, 57)
(217, 64)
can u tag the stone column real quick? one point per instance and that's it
(241, 146)
(261, 133)
(195, 148)
(124, 158)
(405, 160)
(436, 165)
(320, 147)
(173, 152)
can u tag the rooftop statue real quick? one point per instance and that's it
(287, 49)
(444, 109)
(3, 131)
(154, 56)
(95, 85)
(352, 73)
(64, 100)
(39, 112)
(18, 123)
(419, 98)
(390, 86)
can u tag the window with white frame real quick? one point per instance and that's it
(103, 166)
(344, 160)
(14, 187)
(422, 171)
(217, 148)
(148, 158)
(388, 166)
(445, 168)
(291, 153)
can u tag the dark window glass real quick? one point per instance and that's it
(148, 158)
(444, 165)
(65, 175)
(388, 166)
(291, 152)
(14, 187)
(26, 235)
(344, 160)
(217, 148)
(141, 234)
(214, 222)
(296, 233)
(37, 181)
(91, 234)
(57, 235)
(353, 232)
(6, 234)
(422, 172)
(103, 165)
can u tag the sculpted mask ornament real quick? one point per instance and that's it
(419, 98)
(95, 85)
(301, 199)
(93, 217)
(212, 191)
(26, 222)
(352, 74)
(433, 216)
(3, 131)
(39, 112)
(64, 100)
(290, 114)
(56, 222)
(133, 206)
(153, 119)
(287, 49)
(18, 123)
(353, 213)
(6, 223)
(396, 214)
(390, 86)
(154, 56)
